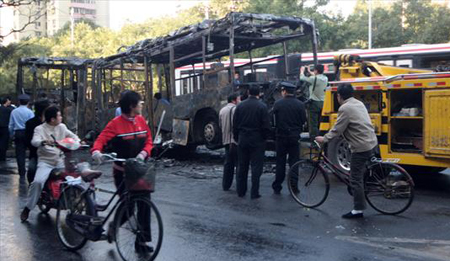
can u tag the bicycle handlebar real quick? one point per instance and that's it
(112, 157)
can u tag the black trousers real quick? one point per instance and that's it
(358, 169)
(143, 210)
(21, 150)
(285, 147)
(250, 153)
(4, 142)
(231, 161)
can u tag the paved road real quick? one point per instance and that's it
(204, 223)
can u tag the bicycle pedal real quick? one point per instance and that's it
(101, 207)
(97, 221)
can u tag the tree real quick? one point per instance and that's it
(66, 26)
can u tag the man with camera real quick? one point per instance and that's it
(318, 83)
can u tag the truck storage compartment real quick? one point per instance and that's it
(407, 135)
(406, 103)
(372, 99)
(406, 120)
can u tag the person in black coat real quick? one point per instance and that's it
(251, 127)
(5, 112)
(289, 118)
(30, 125)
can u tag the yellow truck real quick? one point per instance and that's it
(409, 108)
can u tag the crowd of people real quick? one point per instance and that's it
(128, 133)
(246, 125)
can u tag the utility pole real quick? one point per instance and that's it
(72, 25)
(370, 24)
(207, 11)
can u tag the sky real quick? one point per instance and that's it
(136, 11)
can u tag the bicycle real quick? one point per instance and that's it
(136, 218)
(389, 189)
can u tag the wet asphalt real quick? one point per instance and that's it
(202, 222)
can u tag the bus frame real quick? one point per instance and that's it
(192, 118)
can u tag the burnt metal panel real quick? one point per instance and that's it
(180, 134)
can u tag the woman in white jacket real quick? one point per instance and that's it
(49, 157)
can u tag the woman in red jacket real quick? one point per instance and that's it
(129, 136)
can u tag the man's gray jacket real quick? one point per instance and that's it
(354, 124)
(226, 116)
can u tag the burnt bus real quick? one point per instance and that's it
(193, 69)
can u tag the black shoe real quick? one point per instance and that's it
(350, 215)
(24, 215)
(143, 248)
(255, 196)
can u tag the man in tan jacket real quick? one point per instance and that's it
(49, 156)
(354, 124)
(226, 115)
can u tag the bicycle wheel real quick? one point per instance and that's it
(138, 229)
(389, 188)
(309, 185)
(72, 202)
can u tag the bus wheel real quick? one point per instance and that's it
(339, 153)
(211, 133)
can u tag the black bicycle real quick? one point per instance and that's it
(136, 228)
(389, 189)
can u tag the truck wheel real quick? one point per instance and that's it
(212, 135)
(339, 153)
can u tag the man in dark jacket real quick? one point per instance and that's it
(289, 115)
(5, 112)
(251, 127)
(30, 125)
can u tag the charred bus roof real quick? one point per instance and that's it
(55, 62)
(211, 39)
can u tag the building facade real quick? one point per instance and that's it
(45, 18)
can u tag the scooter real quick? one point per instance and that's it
(73, 171)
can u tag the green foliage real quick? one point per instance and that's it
(393, 23)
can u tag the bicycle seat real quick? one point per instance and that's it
(88, 174)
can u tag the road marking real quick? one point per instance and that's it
(434, 249)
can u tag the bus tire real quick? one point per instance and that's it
(339, 153)
(212, 135)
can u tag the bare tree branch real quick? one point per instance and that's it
(15, 3)
(32, 17)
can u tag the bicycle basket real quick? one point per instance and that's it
(139, 175)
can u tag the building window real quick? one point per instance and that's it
(78, 10)
(83, 1)
(38, 34)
